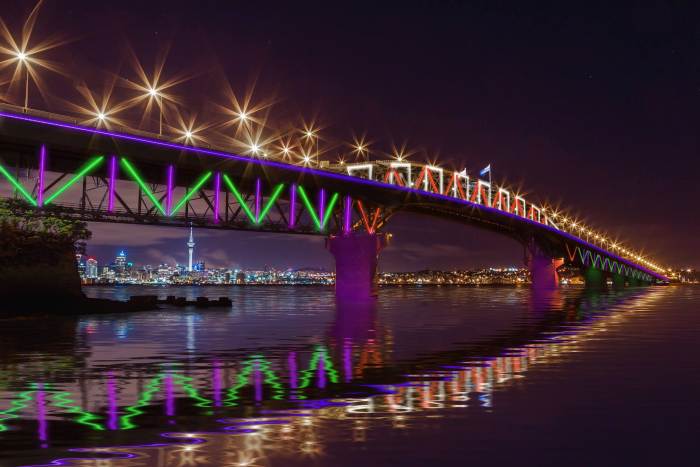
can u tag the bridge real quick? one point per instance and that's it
(57, 166)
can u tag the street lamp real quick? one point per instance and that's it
(311, 133)
(23, 58)
(154, 94)
(360, 148)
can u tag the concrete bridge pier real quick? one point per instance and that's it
(594, 278)
(356, 259)
(618, 281)
(543, 267)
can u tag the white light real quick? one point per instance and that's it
(188, 134)
(153, 92)
(101, 116)
(21, 56)
(307, 159)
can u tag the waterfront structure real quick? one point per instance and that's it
(349, 204)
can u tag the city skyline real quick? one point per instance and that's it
(224, 249)
(191, 258)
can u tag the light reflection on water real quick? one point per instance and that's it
(287, 376)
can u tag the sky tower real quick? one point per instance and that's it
(190, 248)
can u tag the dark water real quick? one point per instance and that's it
(287, 377)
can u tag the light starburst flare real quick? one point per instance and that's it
(26, 55)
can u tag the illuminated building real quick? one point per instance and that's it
(120, 263)
(91, 271)
(79, 260)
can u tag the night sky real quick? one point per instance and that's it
(592, 106)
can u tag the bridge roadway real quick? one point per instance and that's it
(230, 191)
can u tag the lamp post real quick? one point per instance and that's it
(22, 58)
(154, 94)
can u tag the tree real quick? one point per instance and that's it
(31, 236)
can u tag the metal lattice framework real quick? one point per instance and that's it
(94, 192)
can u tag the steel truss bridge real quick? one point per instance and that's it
(57, 166)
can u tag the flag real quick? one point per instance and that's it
(485, 170)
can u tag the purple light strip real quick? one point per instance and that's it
(257, 377)
(41, 413)
(321, 382)
(217, 386)
(217, 189)
(347, 213)
(257, 200)
(322, 206)
(292, 206)
(42, 170)
(347, 359)
(112, 401)
(169, 194)
(292, 362)
(322, 174)
(112, 181)
(169, 396)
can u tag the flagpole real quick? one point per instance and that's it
(490, 186)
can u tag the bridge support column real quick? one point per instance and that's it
(594, 278)
(543, 267)
(356, 259)
(618, 281)
(633, 282)
(543, 271)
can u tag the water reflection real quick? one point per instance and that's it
(248, 388)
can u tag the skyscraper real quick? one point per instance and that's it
(80, 261)
(120, 263)
(91, 268)
(190, 247)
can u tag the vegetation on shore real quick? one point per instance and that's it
(32, 237)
